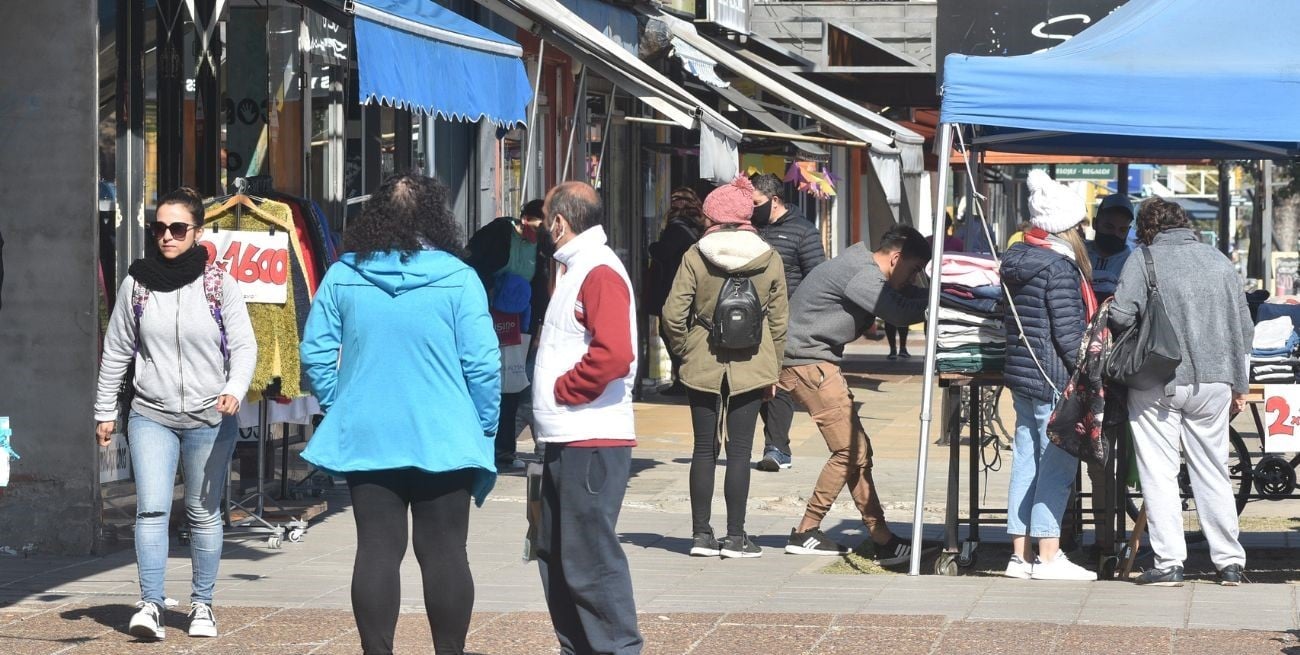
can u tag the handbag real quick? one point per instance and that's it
(1146, 355)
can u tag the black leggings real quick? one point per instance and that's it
(891, 332)
(439, 506)
(741, 415)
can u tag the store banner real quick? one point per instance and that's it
(258, 261)
(1281, 418)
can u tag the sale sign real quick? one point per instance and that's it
(1281, 418)
(258, 261)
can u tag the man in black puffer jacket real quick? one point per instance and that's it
(800, 246)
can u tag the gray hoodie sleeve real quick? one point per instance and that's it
(869, 291)
(240, 341)
(119, 349)
(1131, 292)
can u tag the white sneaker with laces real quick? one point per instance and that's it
(203, 623)
(147, 623)
(1019, 568)
(1061, 568)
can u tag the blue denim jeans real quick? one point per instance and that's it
(204, 454)
(1041, 474)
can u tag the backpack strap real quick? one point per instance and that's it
(213, 277)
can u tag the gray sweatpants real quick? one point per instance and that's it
(1195, 420)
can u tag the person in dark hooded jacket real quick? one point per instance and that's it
(683, 228)
(1047, 277)
(799, 244)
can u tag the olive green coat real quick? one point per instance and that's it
(695, 290)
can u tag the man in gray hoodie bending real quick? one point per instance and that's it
(835, 304)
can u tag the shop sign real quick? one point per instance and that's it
(1281, 418)
(1011, 27)
(258, 261)
(326, 39)
(729, 14)
(1084, 171)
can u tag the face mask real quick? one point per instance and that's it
(1109, 243)
(762, 214)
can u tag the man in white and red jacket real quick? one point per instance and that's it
(582, 411)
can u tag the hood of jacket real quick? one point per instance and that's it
(387, 271)
(1023, 262)
(1175, 237)
(736, 251)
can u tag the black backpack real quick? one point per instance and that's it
(738, 316)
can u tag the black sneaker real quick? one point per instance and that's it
(739, 547)
(1231, 575)
(813, 542)
(1170, 577)
(704, 545)
(897, 551)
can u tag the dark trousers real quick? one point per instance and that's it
(438, 504)
(740, 414)
(506, 433)
(584, 570)
(778, 414)
(897, 337)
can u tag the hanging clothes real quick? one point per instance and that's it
(277, 327)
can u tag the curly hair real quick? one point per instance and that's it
(1157, 215)
(690, 208)
(407, 214)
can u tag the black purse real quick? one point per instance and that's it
(1146, 355)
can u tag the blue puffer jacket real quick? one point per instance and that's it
(1044, 286)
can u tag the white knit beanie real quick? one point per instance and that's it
(1053, 207)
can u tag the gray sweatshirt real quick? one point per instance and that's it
(179, 371)
(1205, 302)
(836, 303)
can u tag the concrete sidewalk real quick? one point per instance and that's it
(296, 599)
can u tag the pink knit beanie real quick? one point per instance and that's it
(731, 205)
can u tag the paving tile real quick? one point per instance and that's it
(667, 638)
(760, 640)
(895, 641)
(1237, 642)
(890, 620)
(1106, 640)
(996, 637)
(522, 638)
(773, 619)
(30, 646)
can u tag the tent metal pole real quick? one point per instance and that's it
(531, 133)
(931, 332)
(1266, 222)
(579, 117)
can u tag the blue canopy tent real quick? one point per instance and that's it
(1156, 78)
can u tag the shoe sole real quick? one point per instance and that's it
(801, 550)
(732, 554)
(1018, 576)
(1092, 579)
(203, 632)
(1229, 584)
(141, 631)
(768, 465)
(705, 552)
(1161, 584)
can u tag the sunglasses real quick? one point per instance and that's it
(178, 230)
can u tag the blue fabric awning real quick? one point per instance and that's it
(1157, 78)
(417, 55)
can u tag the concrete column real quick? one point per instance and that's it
(48, 327)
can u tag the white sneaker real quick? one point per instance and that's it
(147, 622)
(1061, 568)
(203, 623)
(1019, 568)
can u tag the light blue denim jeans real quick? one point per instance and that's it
(1041, 473)
(204, 454)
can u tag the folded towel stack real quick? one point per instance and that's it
(1272, 355)
(972, 337)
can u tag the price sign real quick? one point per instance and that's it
(258, 261)
(1282, 418)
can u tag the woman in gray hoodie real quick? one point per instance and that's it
(1207, 306)
(182, 324)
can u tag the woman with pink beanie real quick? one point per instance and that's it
(730, 359)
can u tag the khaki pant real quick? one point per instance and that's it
(823, 391)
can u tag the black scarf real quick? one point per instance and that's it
(157, 273)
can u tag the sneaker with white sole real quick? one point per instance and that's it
(147, 623)
(774, 460)
(897, 550)
(203, 623)
(1060, 568)
(813, 542)
(1018, 568)
(739, 547)
(704, 545)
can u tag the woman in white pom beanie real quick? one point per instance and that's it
(1047, 276)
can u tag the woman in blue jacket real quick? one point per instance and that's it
(1047, 276)
(401, 353)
